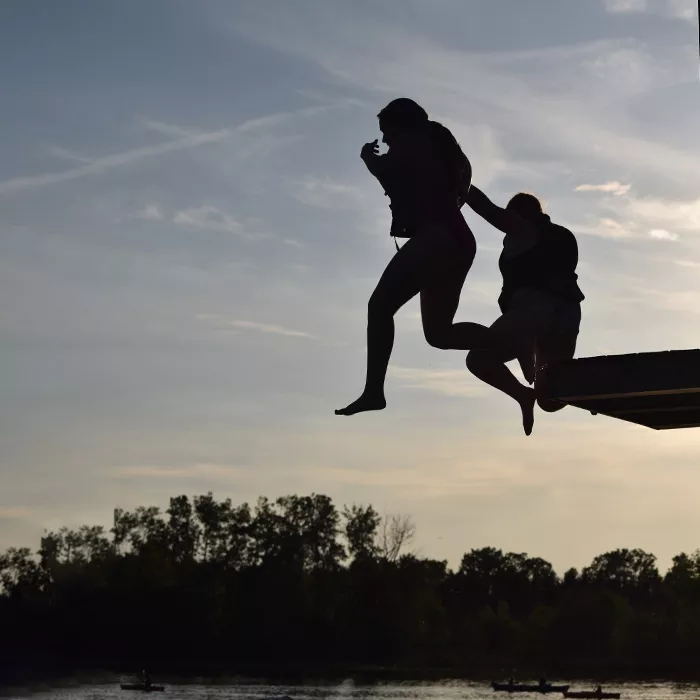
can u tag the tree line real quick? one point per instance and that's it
(298, 583)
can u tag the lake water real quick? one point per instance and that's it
(347, 690)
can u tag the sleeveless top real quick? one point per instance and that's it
(548, 266)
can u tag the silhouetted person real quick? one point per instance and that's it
(422, 173)
(146, 678)
(540, 300)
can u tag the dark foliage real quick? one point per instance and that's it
(296, 583)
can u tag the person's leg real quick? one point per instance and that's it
(549, 352)
(405, 275)
(439, 302)
(556, 346)
(511, 338)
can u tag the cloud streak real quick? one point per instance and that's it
(208, 218)
(193, 472)
(603, 228)
(65, 154)
(14, 513)
(151, 212)
(328, 194)
(615, 188)
(568, 116)
(663, 235)
(244, 324)
(641, 216)
(455, 383)
(683, 215)
(676, 9)
(269, 328)
(185, 139)
(102, 165)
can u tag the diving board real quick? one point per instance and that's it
(660, 390)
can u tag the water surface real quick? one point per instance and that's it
(347, 690)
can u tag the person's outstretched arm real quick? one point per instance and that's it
(502, 219)
(507, 221)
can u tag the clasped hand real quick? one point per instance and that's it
(370, 149)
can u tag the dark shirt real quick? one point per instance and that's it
(548, 266)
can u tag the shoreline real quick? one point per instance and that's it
(57, 672)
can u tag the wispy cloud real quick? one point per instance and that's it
(242, 324)
(647, 217)
(565, 115)
(687, 263)
(167, 129)
(150, 212)
(101, 165)
(184, 139)
(663, 235)
(65, 154)
(268, 328)
(682, 9)
(654, 217)
(614, 187)
(207, 218)
(604, 228)
(624, 6)
(328, 194)
(685, 301)
(663, 213)
(216, 471)
(447, 382)
(444, 478)
(14, 513)
(678, 9)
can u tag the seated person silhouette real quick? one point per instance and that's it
(540, 300)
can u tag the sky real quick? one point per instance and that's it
(188, 240)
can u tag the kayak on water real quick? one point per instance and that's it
(532, 688)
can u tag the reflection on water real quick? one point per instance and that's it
(347, 690)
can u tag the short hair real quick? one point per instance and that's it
(526, 204)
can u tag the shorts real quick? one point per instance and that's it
(537, 329)
(546, 315)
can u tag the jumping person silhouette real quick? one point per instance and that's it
(540, 300)
(423, 174)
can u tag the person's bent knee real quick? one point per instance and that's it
(438, 340)
(440, 343)
(475, 359)
(378, 307)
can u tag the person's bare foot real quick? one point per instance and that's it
(364, 403)
(527, 406)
